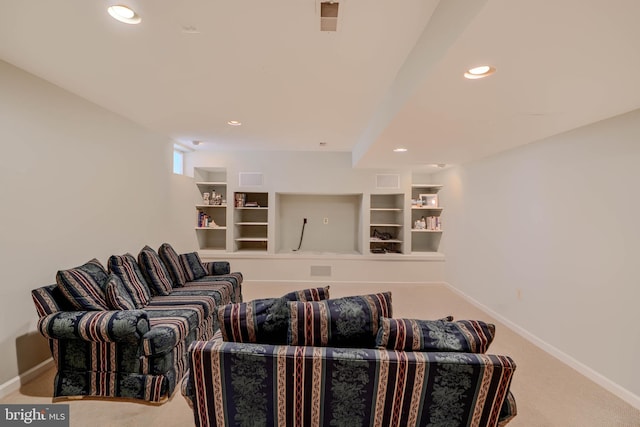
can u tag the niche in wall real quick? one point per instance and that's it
(333, 223)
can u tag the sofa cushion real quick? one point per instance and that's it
(154, 271)
(263, 321)
(118, 296)
(192, 266)
(466, 336)
(342, 322)
(50, 299)
(312, 294)
(172, 262)
(84, 286)
(128, 271)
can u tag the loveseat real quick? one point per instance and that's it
(123, 331)
(346, 362)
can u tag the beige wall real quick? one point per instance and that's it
(76, 182)
(548, 235)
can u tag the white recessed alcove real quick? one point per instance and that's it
(333, 223)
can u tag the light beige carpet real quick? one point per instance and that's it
(548, 392)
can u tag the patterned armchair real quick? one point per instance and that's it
(124, 332)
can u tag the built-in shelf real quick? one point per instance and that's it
(211, 208)
(386, 217)
(251, 229)
(425, 239)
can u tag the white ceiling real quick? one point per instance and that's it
(390, 76)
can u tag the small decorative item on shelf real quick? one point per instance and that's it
(205, 198)
(240, 199)
(420, 224)
(429, 200)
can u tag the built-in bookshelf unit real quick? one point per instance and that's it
(251, 221)
(211, 209)
(386, 223)
(426, 225)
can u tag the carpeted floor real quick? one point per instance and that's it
(548, 392)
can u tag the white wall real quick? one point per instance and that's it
(548, 236)
(76, 182)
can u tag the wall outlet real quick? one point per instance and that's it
(325, 220)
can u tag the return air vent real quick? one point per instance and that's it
(387, 181)
(250, 179)
(329, 16)
(320, 270)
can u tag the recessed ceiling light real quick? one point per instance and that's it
(234, 123)
(196, 142)
(439, 165)
(124, 14)
(400, 150)
(479, 72)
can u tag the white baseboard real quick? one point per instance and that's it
(15, 383)
(601, 380)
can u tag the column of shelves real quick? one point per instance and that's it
(386, 224)
(211, 211)
(426, 225)
(251, 221)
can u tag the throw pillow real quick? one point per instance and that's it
(154, 271)
(172, 261)
(264, 321)
(127, 270)
(118, 296)
(342, 322)
(192, 266)
(466, 336)
(313, 294)
(84, 286)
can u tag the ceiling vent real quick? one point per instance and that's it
(329, 16)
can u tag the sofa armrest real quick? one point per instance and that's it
(216, 268)
(97, 326)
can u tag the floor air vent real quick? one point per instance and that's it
(320, 270)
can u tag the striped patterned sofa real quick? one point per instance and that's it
(124, 332)
(371, 379)
(246, 384)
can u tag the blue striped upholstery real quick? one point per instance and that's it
(192, 266)
(269, 385)
(138, 348)
(262, 320)
(171, 261)
(467, 336)
(312, 294)
(342, 322)
(84, 286)
(118, 296)
(128, 271)
(154, 271)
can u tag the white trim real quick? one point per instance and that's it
(601, 380)
(15, 383)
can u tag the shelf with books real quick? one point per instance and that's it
(426, 223)
(211, 208)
